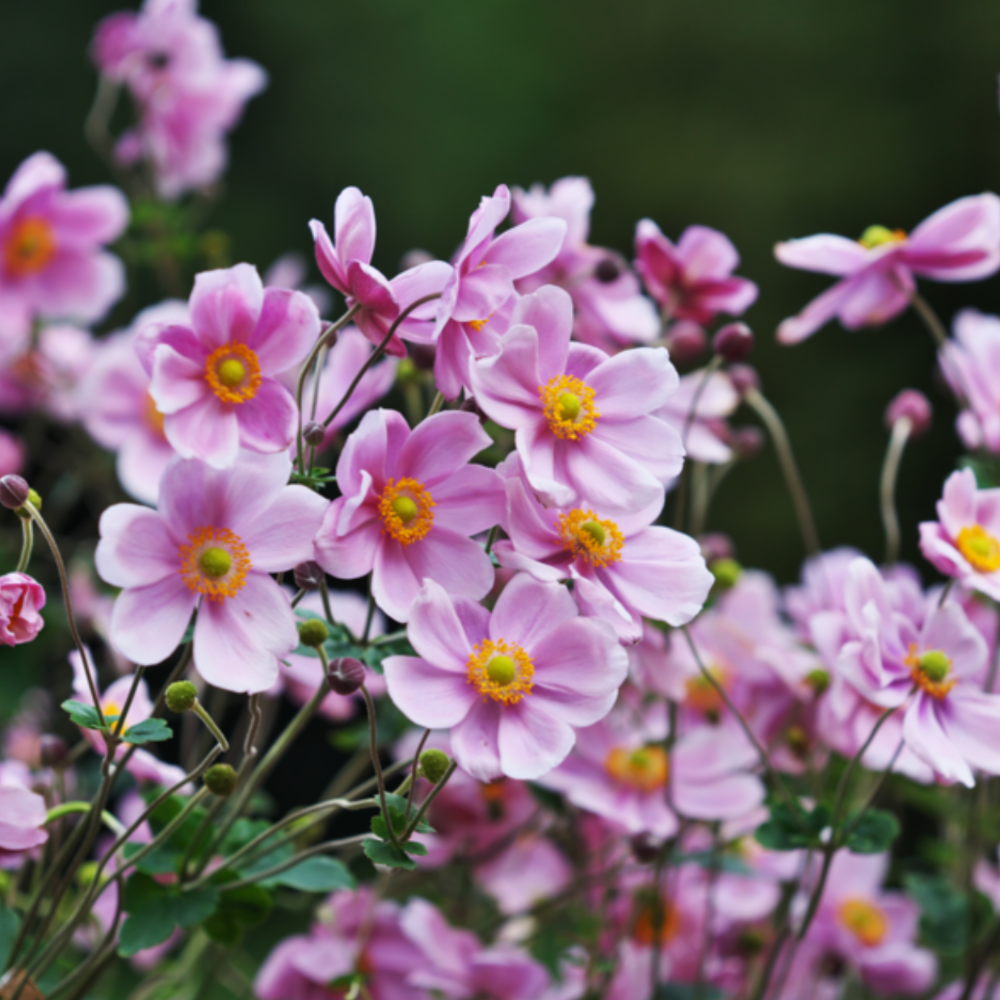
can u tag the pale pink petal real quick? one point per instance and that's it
(288, 327)
(394, 585)
(90, 216)
(268, 422)
(481, 293)
(528, 247)
(226, 305)
(972, 724)
(824, 253)
(528, 610)
(208, 430)
(470, 500)
(816, 314)
(607, 478)
(506, 386)
(372, 289)
(931, 741)
(148, 623)
(354, 226)
(436, 632)
(633, 383)
(550, 312)
(427, 695)
(282, 537)
(137, 546)
(178, 380)
(474, 741)
(326, 257)
(81, 286)
(350, 555)
(650, 441)
(458, 563)
(530, 741)
(440, 445)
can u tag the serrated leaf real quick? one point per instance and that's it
(874, 833)
(381, 853)
(83, 715)
(315, 875)
(148, 731)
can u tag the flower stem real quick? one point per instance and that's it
(199, 709)
(377, 764)
(901, 430)
(27, 544)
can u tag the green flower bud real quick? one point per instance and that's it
(221, 780)
(818, 680)
(35, 500)
(313, 632)
(181, 696)
(434, 765)
(727, 572)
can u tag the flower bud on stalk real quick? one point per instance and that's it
(14, 492)
(733, 342)
(744, 378)
(434, 765)
(308, 575)
(181, 696)
(346, 675)
(746, 441)
(221, 780)
(313, 434)
(313, 632)
(727, 572)
(913, 406)
(686, 342)
(52, 751)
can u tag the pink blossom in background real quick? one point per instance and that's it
(11, 454)
(290, 271)
(211, 545)
(45, 377)
(622, 569)
(53, 264)
(410, 502)
(482, 282)
(960, 242)
(22, 735)
(512, 686)
(117, 410)
(583, 421)
(21, 601)
(693, 280)
(609, 310)
(970, 361)
(703, 431)
(22, 815)
(188, 95)
(528, 871)
(213, 379)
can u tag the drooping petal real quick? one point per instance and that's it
(825, 253)
(528, 247)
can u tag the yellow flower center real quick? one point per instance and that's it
(501, 671)
(650, 924)
(111, 710)
(478, 324)
(215, 563)
(585, 534)
(645, 769)
(233, 372)
(929, 671)
(876, 236)
(980, 548)
(865, 920)
(406, 510)
(569, 407)
(30, 246)
(702, 695)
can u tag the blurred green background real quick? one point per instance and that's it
(768, 120)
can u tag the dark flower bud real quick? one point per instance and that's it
(746, 441)
(470, 405)
(13, 492)
(686, 342)
(716, 546)
(221, 780)
(52, 751)
(434, 765)
(313, 433)
(422, 356)
(313, 632)
(645, 848)
(733, 342)
(181, 696)
(744, 378)
(346, 675)
(308, 575)
(915, 407)
(607, 270)
(727, 572)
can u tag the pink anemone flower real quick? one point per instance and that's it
(970, 362)
(52, 259)
(22, 815)
(214, 379)
(623, 569)
(21, 601)
(697, 411)
(960, 242)
(514, 685)
(211, 545)
(410, 502)
(583, 421)
(47, 374)
(693, 280)
(482, 281)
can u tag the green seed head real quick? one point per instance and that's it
(215, 563)
(434, 765)
(221, 780)
(405, 508)
(569, 405)
(596, 531)
(501, 670)
(727, 572)
(181, 696)
(231, 373)
(876, 236)
(313, 632)
(934, 665)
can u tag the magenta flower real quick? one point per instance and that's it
(52, 259)
(960, 242)
(971, 364)
(483, 281)
(188, 95)
(410, 502)
(964, 542)
(706, 429)
(512, 686)
(46, 375)
(21, 601)
(693, 280)
(11, 454)
(583, 421)
(211, 545)
(623, 569)
(22, 814)
(213, 379)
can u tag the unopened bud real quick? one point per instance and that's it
(313, 433)
(13, 492)
(221, 780)
(727, 572)
(52, 751)
(645, 848)
(733, 342)
(346, 675)
(913, 406)
(422, 356)
(686, 342)
(608, 270)
(308, 575)
(35, 500)
(469, 405)
(181, 696)
(798, 741)
(313, 632)
(716, 546)
(744, 378)
(818, 680)
(434, 765)
(746, 441)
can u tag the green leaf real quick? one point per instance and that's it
(10, 923)
(148, 731)
(786, 831)
(315, 875)
(687, 991)
(413, 847)
(223, 929)
(154, 910)
(144, 930)
(190, 908)
(141, 892)
(84, 716)
(381, 853)
(158, 862)
(248, 906)
(944, 923)
(874, 833)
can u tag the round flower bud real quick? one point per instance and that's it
(645, 848)
(716, 546)
(744, 378)
(313, 632)
(346, 675)
(607, 270)
(733, 342)
(818, 680)
(313, 433)
(422, 356)
(434, 765)
(181, 696)
(469, 405)
(52, 751)
(308, 575)
(686, 342)
(746, 441)
(36, 502)
(13, 492)
(727, 572)
(915, 407)
(221, 780)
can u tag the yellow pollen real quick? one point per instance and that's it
(111, 710)
(501, 671)
(153, 417)
(596, 540)
(569, 407)
(702, 695)
(406, 510)
(865, 920)
(929, 671)
(478, 324)
(876, 236)
(215, 563)
(645, 769)
(980, 548)
(30, 245)
(647, 923)
(233, 372)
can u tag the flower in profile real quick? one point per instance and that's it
(583, 421)
(514, 685)
(970, 361)
(188, 95)
(697, 411)
(623, 568)
(213, 379)
(22, 814)
(117, 410)
(693, 280)
(211, 545)
(53, 264)
(21, 601)
(410, 503)
(471, 312)
(960, 242)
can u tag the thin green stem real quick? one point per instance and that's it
(199, 709)
(377, 764)
(119, 726)
(27, 544)
(901, 431)
(431, 796)
(491, 538)
(436, 404)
